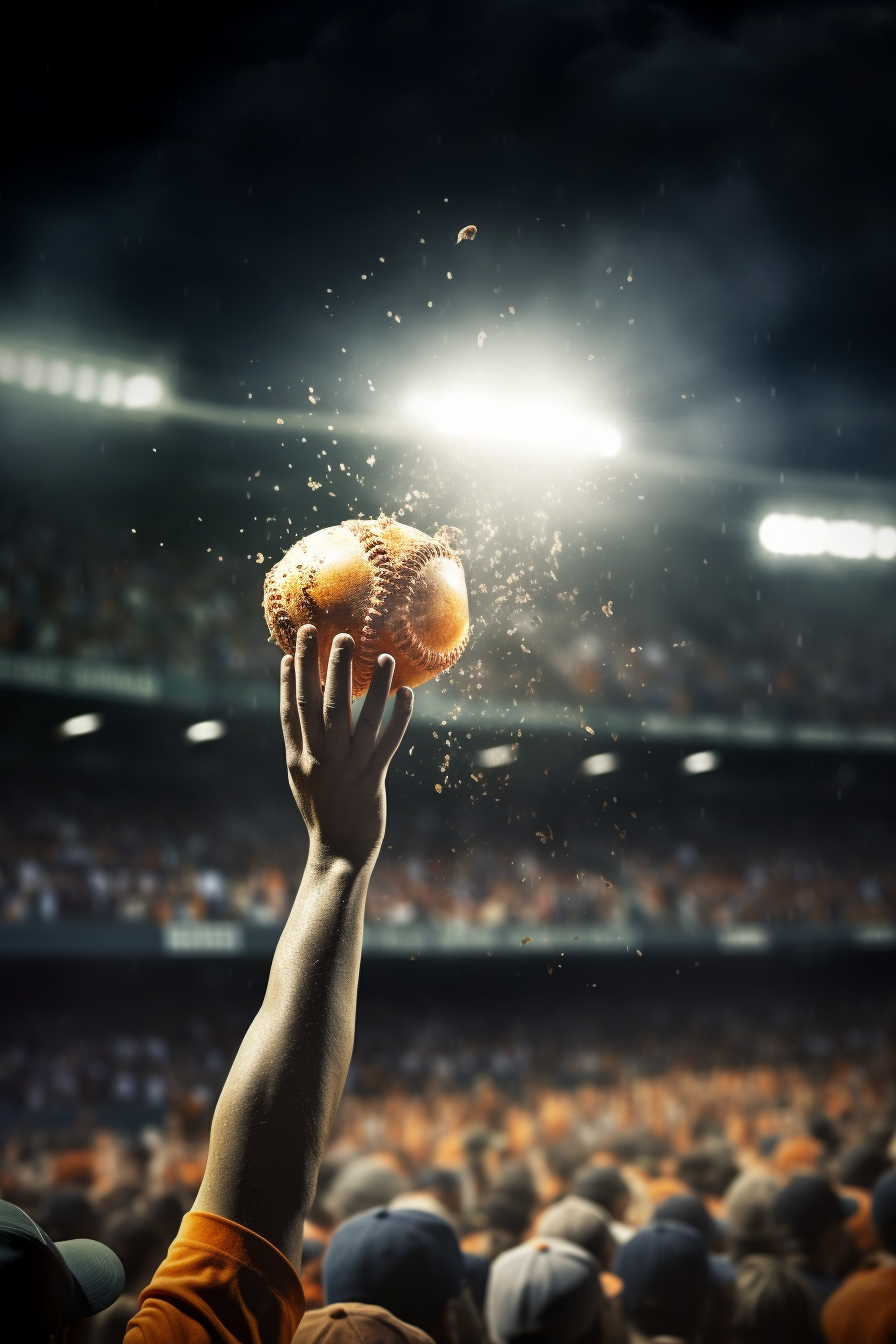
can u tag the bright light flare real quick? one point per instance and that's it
(518, 423)
(604, 763)
(492, 757)
(209, 730)
(142, 390)
(80, 725)
(845, 538)
(59, 377)
(118, 387)
(701, 762)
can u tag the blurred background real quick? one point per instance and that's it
(638, 892)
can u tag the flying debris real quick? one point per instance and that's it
(467, 233)
(481, 339)
(607, 608)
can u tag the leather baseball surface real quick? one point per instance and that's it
(393, 589)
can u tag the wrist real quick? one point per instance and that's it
(325, 857)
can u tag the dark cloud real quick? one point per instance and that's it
(203, 193)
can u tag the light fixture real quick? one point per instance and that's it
(845, 538)
(209, 730)
(144, 389)
(80, 725)
(701, 762)
(62, 373)
(516, 422)
(59, 377)
(604, 763)
(492, 757)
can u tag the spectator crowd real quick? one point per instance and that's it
(142, 863)
(190, 611)
(713, 1176)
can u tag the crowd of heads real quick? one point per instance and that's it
(516, 1226)
(709, 1176)
(144, 862)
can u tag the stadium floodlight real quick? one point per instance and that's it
(32, 373)
(492, 757)
(604, 763)
(59, 377)
(142, 390)
(844, 538)
(517, 423)
(80, 725)
(110, 383)
(209, 730)
(701, 762)
(85, 383)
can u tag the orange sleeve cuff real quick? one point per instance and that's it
(219, 1284)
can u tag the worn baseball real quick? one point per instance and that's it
(393, 589)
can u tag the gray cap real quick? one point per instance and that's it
(748, 1206)
(45, 1283)
(362, 1183)
(580, 1221)
(547, 1288)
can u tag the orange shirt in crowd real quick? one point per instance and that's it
(863, 1309)
(219, 1284)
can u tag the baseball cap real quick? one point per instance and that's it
(806, 1206)
(356, 1323)
(404, 1260)
(883, 1210)
(362, 1183)
(602, 1185)
(47, 1282)
(581, 1221)
(862, 1165)
(748, 1206)
(666, 1276)
(691, 1210)
(547, 1288)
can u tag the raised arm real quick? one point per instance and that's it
(275, 1113)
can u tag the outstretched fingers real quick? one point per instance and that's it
(338, 690)
(371, 715)
(309, 698)
(289, 711)
(390, 738)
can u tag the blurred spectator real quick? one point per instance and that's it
(363, 1183)
(773, 1305)
(666, 1276)
(863, 1310)
(693, 1212)
(356, 1323)
(810, 1220)
(748, 1210)
(862, 1165)
(548, 1289)
(586, 1224)
(606, 1187)
(408, 1262)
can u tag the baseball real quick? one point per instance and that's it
(393, 589)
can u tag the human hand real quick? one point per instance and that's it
(337, 774)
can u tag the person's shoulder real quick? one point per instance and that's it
(869, 1291)
(218, 1274)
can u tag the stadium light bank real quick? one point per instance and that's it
(844, 538)
(515, 423)
(110, 384)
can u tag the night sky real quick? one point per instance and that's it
(192, 187)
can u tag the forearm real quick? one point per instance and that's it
(275, 1113)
